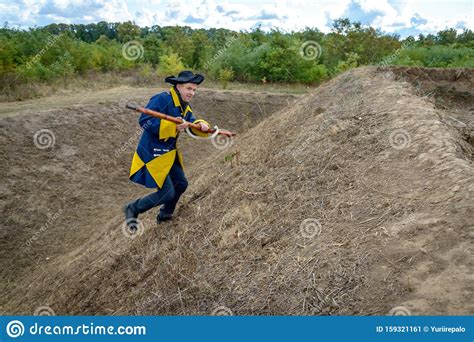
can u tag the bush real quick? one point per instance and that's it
(314, 74)
(350, 62)
(37, 72)
(236, 56)
(145, 73)
(63, 67)
(170, 65)
(226, 75)
(436, 56)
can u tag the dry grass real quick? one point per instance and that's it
(322, 214)
(98, 81)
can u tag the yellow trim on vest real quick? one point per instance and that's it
(188, 109)
(167, 130)
(180, 158)
(137, 164)
(175, 97)
(160, 166)
(198, 132)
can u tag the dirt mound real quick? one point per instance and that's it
(352, 200)
(53, 191)
(449, 90)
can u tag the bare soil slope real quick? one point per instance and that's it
(55, 199)
(354, 199)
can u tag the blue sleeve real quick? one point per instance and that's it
(149, 123)
(190, 117)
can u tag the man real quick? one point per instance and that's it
(157, 163)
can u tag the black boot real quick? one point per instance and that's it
(130, 217)
(160, 218)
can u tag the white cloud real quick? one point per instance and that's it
(381, 6)
(438, 14)
(241, 15)
(115, 11)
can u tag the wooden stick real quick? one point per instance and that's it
(177, 121)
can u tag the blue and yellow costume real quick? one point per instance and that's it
(157, 163)
(157, 151)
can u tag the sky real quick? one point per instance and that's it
(405, 18)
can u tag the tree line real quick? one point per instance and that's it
(61, 51)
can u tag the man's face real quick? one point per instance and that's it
(187, 90)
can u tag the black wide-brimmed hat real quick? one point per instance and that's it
(185, 76)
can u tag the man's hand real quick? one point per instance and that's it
(204, 127)
(183, 126)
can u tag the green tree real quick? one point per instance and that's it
(178, 40)
(153, 48)
(127, 31)
(446, 36)
(170, 65)
(225, 76)
(201, 49)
